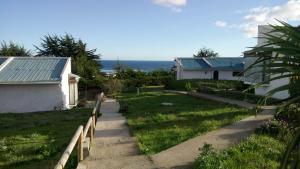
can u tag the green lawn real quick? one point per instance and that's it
(36, 140)
(159, 127)
(258, 151)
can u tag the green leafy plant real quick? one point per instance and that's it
(279, 58)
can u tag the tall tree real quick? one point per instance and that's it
(206, 52)
(84, 61)
(284, 44)
(13, 49)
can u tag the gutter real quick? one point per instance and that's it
(28, 83)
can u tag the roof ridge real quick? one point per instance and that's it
(32, 57)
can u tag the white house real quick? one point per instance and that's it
(218, 68)
(30, 84)
(252, 77)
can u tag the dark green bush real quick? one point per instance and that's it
(290, 114)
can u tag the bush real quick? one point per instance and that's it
(207, 84)
(132, 79)
(112, 86)
(258, 151)
(290, 114)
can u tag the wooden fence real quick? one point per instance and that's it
(81, 134)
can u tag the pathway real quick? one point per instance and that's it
(113, 147)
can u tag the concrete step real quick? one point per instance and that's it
(104, 151)
(131, 162)
(111, 133)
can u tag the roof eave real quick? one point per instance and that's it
(28, 83)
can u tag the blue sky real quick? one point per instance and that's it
(145, 29)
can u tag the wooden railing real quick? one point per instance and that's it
(81, 134)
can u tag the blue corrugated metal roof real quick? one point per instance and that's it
(2, 59)
(192, 64)
(217, 63)
(33, 70)
(227, 63)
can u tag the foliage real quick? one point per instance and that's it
(258, 151)
(83, 59)
(158, 127)
(112, 86)
(224, 88)
(13, 49)
(280, 55)
(206, 52)
(284, 44)
(136, 78)
(207, 84)
(290, 114)
(37, 140)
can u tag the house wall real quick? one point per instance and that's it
(30, 98)
(258, 77)
(228, 75)
(184, 74)
(65, 84)
(263, 90)
(223, 75)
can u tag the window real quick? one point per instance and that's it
(234, 74)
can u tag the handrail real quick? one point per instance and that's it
(87, 126)
(80, 135)
(76, 138)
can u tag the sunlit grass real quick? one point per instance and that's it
(36, 140)
(158, 127)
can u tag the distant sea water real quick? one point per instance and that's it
(108, 66)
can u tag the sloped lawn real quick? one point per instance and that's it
(158, 127)
(37, 140)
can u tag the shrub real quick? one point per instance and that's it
(207, 159)
(290, 114)
(258, 151)
(112, 86)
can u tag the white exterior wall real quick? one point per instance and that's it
(223, 75)
(65, 84)
(30, 98)
(275, 83)
(195, 75)
(263, 90)
(228, 75)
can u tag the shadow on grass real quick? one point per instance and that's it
(36, 140)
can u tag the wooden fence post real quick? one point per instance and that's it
(91, 133)
(80, 147)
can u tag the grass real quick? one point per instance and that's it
(159, 127)
(36, 140)
(258, 151)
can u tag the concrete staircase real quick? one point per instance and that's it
(113, 147)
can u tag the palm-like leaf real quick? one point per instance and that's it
(284, 62)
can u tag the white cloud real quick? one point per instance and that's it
(290, 11)
(175, 5)
(221, 24)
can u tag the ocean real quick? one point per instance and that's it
(146, 66)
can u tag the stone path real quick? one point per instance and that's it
(113, 147)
